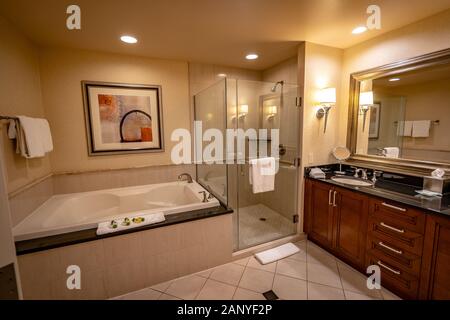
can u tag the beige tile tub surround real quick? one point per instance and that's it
(29, 198)
(114, 266)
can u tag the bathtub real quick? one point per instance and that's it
(80, 211)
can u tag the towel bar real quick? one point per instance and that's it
(8, 118)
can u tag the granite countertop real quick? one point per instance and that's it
(399, 192)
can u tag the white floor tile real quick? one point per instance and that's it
(292, 268)
(287, 288)
(349, 295)
(186, 288)
(244, 294)
(161, 287)
(321, 292)
(168, 297)
(354, 281)
(324, 274)
(214, 290)
(144, 294)
(205, 273)
(242, 262)
(229, 273)
(256, 280)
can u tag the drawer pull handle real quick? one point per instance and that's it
(393, 207)
(381, 264)
(392, 228)
(329, 197)
(389, 248)
(334, 199)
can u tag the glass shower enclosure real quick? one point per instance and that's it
(241, 104)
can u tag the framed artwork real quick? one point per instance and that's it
(122, 118)
(374, 125)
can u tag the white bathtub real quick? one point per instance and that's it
(80, 211)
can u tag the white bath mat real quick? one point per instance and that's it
(277, 253)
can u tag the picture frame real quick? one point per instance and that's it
(123, 118)
(374, 123)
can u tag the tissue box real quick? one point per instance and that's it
(439, 185)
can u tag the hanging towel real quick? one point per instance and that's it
(391, 152)
(404, 128)
(421, 129)
(34, 138)
(262, 174)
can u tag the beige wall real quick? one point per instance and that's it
(20, 88)
(62, 72)
(322, 69)
(429, 35)
(285, 70)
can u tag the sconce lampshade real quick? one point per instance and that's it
(366, 98)
(243, 109)
(327, 95)
(272, 110)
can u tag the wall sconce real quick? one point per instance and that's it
(365, 102)
(327, 99)
(272, 112)
(243, 111)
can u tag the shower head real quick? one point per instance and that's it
(274, 88)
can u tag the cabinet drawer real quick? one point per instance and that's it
(395, 279)
(398, 236)
(397, 257)
(398, 214)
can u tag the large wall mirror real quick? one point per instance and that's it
(400, 113)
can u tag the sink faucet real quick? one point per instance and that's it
(375, 173)
(363, 171)
(187, 175)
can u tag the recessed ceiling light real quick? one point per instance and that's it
(128, 39)
(394, 79)
(359, 30)
(251, 56)
(222, 75)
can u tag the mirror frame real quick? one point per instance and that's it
(409, 166)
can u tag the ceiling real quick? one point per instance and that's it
(211, 31)
(426, 75)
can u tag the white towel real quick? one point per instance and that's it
(262, 174)
(105, 228)
(34, 138)
(404, 128)
(277, 253)
(391, 152)
(421, 129)
(317, 173)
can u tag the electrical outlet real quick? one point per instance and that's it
(311, 158)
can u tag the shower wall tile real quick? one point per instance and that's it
(126, 263)
(28, 200)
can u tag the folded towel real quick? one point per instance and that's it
(34, 138)
(277, 253)
(262, 174)
(152, 218)
(317, 173)
(404, 128)
(391, 152)
(421, 129)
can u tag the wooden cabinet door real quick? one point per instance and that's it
(320, 213)
(351, 211)
(435, 273)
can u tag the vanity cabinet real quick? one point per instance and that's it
(435, 275)
(337, 219)
(411, 247)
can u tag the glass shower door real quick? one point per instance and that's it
(264, 217)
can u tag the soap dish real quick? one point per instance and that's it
(427, 193)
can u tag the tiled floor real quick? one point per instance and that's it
(253, 231)
(311, 274)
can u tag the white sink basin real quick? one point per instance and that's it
(352, 181)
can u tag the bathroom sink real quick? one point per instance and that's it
(352, 181)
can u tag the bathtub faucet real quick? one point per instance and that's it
(187, 175)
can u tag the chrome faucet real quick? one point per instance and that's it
(375, 173)
(187, 175)
(363, 175)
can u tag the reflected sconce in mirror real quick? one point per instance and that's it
(327, 99)
(272, 112)
(243, 111)
(365, 102)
